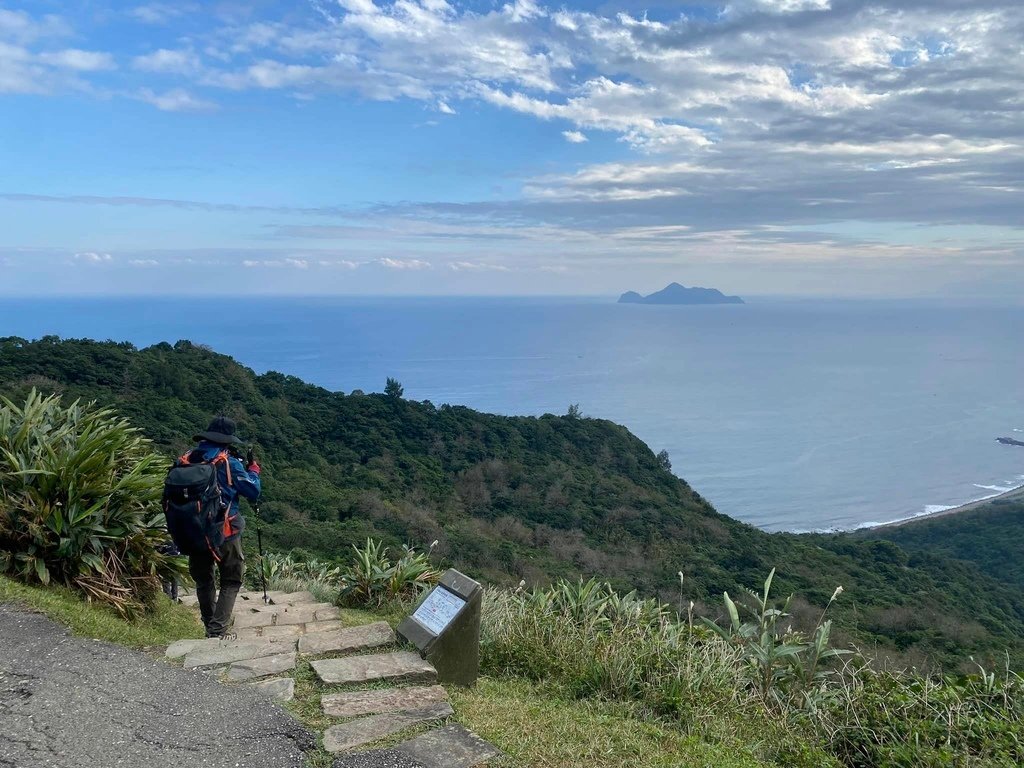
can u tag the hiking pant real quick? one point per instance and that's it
(216, 609)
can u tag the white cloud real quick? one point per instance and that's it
(175, 100)
(93, 257)
(406, 264)
(289, 262)
(775, 112)
(25, 69)
(22, 28)
(160, 13)
(779, 6)
(476, 266)
(79, 60)
(168, 61)
(143, 262)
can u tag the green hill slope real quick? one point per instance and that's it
(989, 536)
(511, 498)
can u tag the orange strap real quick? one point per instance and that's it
(220, 457)
(223, 457)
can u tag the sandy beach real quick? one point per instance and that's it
(1014, 495)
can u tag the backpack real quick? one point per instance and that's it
(196, 513)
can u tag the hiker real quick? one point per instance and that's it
(201, 499)
(170, 584)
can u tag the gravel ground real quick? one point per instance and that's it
(68, 702)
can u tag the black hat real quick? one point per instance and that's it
(221, 430)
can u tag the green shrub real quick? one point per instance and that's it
(79, 503)
(291, 573)
(787, 667)
(373, 579)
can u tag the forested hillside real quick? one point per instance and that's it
(511, 498)
(990, 536)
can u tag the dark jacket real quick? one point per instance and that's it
(243, 483)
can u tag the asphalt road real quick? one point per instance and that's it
(68, 702)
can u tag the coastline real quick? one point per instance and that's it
(1013, 495)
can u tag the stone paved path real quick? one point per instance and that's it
(269, 639)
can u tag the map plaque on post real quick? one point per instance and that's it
(446, 628)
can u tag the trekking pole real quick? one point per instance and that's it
(250, 459)
(263, 559)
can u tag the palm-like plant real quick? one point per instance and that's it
(372, 579)
(79, 502)
(783, 662)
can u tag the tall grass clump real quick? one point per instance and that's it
(597, 642)
(79, 503)
(792, 696)
(892, 718)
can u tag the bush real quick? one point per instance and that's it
(79, 503)
(293, 573)
(373, 579)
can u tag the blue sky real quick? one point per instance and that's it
(837, 147)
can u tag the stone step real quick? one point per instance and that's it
(261, 667)
(381, 701)
(284, 615)
(228, 653)
(279, 688)
(322, 626)
(328, 612)
(450, 747)
(277, 597)
(374, 758)
(251, 619)
(253, 606)
(180, 648)
(295, 614)
(274, 595)
(270, 632)
(284, 631)
(347, 640)
(341, 738)
(400, 666)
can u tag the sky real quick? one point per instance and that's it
(783, 147)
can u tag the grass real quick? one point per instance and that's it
(534, 725)
(538, 726)
(167, 623)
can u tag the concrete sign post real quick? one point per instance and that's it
(446, 628)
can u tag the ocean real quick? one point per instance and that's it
(789, 415)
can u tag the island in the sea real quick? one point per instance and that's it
(675, 293)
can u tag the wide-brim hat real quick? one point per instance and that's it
(221, 431)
